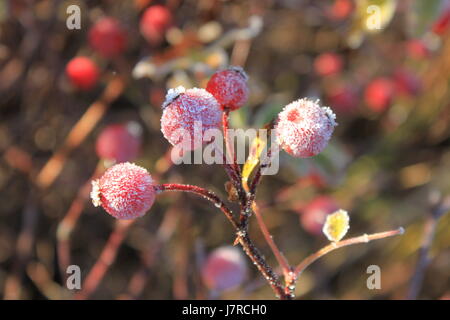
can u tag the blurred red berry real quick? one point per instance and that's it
(406, 82)
(417, 49)
(313, 215)
(343, 99)
(379, 94)
(224, 269)
(229, 87)
(125, 191)
(187, 115)
(340, 9)
(107, 37)
(328, 64)
(304, 128)
(119, 142)
(82, 72)
(442, 24)
(313, 178)
(154, 23)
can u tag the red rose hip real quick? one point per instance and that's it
(341, 9)
(224, 269)
(442, 24)
(406, 82)
(379, 94)
(343, 98)
(304, 128)
(154, 23)
(229, 87)
(107, 37)
(328, 64)
(313, 215)
(187, 115)
(82, 73)
(125, 191)
(119, 142)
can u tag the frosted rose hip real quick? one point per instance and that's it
(82, 72)
(187, 115)
(304, 128)
(119, 142)
(229, 87)
(107, 37)
(125, 191)
(224, 269)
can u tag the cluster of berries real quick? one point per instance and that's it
(108, 37)
(303, 129)
(379, 92)
(127, 191)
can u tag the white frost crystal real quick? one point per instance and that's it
(172, 94)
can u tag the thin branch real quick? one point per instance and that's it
(70, 220)
(106, 259)
(229, 145)
(242, 236)
(282, 261)
(23, 248)
(149, 256)
(79, 132)
(336, 245)
(203, 193)
(424, 259)
(431, 223)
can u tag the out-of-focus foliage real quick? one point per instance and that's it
(380, 166)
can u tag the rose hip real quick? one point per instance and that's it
(82, 72)
(304, 128)
(125, 191)
(229, 87)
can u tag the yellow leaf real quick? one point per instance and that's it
(336, 225)
(376, 14)
(254, 156)
(371, 16)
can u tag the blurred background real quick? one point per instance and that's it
(383, 67)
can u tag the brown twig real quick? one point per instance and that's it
(68, 223)
(181, 258)
(281, 259)
(106, 259)
(204, 194)
(424, 257)
(24, 247)
(164, 233)
(242, 236)
(79, 132)
(42, 279)
(229, 145)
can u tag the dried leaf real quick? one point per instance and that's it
(231, 191)
(254, 156)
